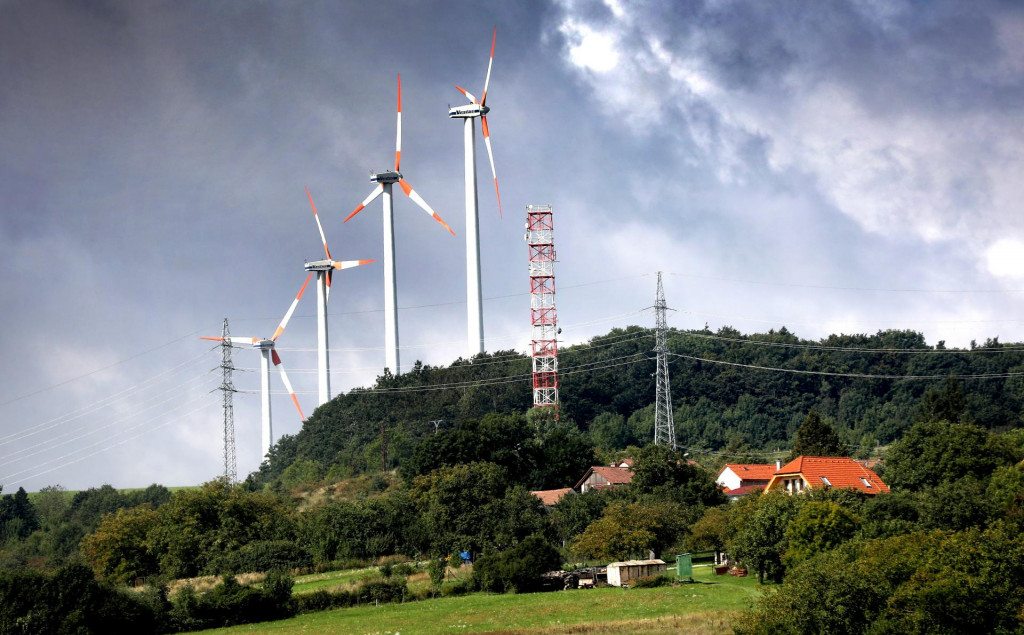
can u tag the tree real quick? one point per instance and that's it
(574, 512)
(660, 470)
(958, 504)
(948, 404)
(629, 529)
(819, 526)
(762, 540)
(119, 549)
(610, 431)
(936, 451)
(517, 569)
(565, 453)
(456, 505)
(814, 437)
(17, 516)
(52, 504)
(923, 582)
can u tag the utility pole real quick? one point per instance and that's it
(664, 427)
(227, 389)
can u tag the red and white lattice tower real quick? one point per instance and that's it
(540, 238)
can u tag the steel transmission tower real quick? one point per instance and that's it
(540, 238)
(664, 427)
(227, 389)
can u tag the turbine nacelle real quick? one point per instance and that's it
(468, 111)
(386, 178)
(319, 265)
(263, 345)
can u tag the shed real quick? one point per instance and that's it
(622, 573)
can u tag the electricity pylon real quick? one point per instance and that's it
(664, 427)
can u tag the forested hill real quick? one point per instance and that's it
(729, 390)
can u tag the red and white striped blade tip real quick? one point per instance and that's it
(377, 191)
(490, 155)
(468, 94)
(323, 236)
(398, 137)
(416, 198)
(288, 316)
(348, 264)
(490, 63)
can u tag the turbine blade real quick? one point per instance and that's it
(348, 264)
(323, 237)
(288, 385)
(468, 95)
(377, 191)
(490, 155)
(487, 82)
(291, 309)
(274, 357)
(327, 291)
(416, 198)
(235, 341)
(398, 139)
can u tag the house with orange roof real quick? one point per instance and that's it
(806, 472)
(551, 496)
(740, 479)
(601, 476)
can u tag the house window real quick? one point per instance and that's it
(824, 479)
(866, 482)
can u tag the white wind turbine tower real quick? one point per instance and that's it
(469, 112)
(384, 181)
(324, 272)
(267, 353)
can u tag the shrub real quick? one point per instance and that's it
(264, 555)
(404, 568)
(459, 587)
(517, 569)
(72, 601)
(231, 603)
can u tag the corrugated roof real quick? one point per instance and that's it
(636, 563)
(841, 472)
(551, 496)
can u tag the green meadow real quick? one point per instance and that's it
(710, 605)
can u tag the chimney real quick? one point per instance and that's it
(778, 464)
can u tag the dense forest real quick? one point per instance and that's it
(731, 392)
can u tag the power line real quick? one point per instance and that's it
(89, 408)
(842, 288)
(853, 375)
(855, 349)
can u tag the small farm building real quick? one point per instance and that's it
(620, 573)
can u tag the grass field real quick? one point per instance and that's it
(332, 580)
(711, 605)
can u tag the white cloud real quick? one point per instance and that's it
(590, 49)
(1005, 258)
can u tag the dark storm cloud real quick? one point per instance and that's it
(155, 157)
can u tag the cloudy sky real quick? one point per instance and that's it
(828, 166)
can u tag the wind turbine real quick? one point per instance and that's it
(268, 354)
(324, 272)
(469, 112)
(384, 181)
